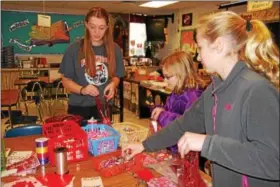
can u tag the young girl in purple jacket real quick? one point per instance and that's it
(181, 76)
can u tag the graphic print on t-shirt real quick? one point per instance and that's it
(101, 76)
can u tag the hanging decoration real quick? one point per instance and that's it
(18, 24)
(78, 24)
(21, 30)
(20, 45)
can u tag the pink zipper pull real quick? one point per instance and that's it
(245, 181)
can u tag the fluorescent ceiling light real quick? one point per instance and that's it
(157, 4)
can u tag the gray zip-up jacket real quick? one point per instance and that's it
(244, 111)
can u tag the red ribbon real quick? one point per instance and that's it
(104, 116)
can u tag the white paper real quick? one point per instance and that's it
(92, 182)
(155, 124)
(44, 20)
(6, 173)
(17, 156)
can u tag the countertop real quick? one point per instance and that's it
(27, 69)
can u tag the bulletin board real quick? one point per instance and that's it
(19, 29)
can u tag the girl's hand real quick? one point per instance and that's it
(130, 150)
(190, 142)
(90, 90)
(109, 91)
(156, 112)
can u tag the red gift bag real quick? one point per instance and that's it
(104, 110)
(190, 175)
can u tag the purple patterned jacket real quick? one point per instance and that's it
(175, 106)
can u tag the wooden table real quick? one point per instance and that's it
(23, 82)
(20, 82)
(27, 143)
(9, 98)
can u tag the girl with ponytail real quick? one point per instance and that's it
(235, 123)
(93, 66)
(260, 52)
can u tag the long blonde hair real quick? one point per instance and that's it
(253, 41)
(86, 50)
(181, 65)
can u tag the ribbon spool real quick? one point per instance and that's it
(61, 160)
(42, 150)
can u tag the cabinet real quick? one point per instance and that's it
(140, 98)
(148, 98)
(8, 78)
(131, 95)
(9, 75)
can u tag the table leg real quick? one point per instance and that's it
(18, 104)
(20, 96)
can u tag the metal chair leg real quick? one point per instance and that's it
(39, 112)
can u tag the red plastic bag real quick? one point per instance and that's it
(104, 110)
(190, 176)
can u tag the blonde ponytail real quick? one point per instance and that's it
(252, 40)
(261, 53)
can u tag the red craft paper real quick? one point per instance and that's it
(54, 180)
(144, 175)
(23, 184)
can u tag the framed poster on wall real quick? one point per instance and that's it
(137, 37)
(186, 19)
(187, 42)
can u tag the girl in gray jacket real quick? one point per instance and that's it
(235, 123)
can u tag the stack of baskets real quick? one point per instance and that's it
(8, 57)
(66, 134)
(130, 132)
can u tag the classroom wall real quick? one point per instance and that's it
(174, 30)
(53, 53)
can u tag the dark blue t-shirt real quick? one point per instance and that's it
(74, 70)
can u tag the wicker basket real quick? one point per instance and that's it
(130, 132)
